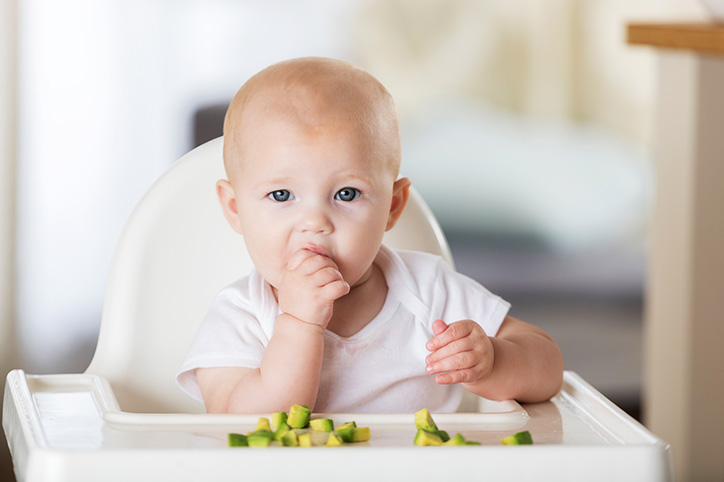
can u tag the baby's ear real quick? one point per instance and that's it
(227, 198)
(400, 195)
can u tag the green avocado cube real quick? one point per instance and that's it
(351, 424)
(424, 421)
(443, 435)
(354, 434)
(520, 438)
(424, 438)
(261, 438)
(281, 431)
(333, 441)
(263, 424)
(299, 416)
(305, 440)
(471, 442)
(237, 440)
(290, 439)
(456, 440)
(322, 425)
(278, 418)
(345, 434)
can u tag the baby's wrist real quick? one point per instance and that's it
(287, 321)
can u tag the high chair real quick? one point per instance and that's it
(175, 254)
(125, 418)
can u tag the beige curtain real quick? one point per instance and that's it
(553, 59)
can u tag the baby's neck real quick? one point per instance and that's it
(355, 310)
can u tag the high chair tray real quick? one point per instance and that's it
(69, 427)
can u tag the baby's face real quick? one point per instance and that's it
(317, 188)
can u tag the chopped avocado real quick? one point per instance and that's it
(456, 440)
(305, 440)
(346, 434)
(354, 434)
(333, 441)
(278, 418)
(520, 438)
(263, 424)
(471, 442)
(237, 440)
(362, 434)
(322, 425)
(281, 431)
(290, 439)
(429, 434)
(299, 416)
(351, 424)
(261, 438)
(424, 437)
(424, 421)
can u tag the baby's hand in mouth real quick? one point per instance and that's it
(316, 250)
(311, 285)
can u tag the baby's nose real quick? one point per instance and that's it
(315, 220)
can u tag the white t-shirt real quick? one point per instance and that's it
(381, 368)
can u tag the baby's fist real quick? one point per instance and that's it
(310, 286)
(461, 352)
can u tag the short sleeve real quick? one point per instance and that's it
(459, 297)
(230, 335)
(448, 295)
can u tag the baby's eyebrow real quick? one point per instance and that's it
(273, 183)
(356, 178)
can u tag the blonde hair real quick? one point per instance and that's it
(309, 89)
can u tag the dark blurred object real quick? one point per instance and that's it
(208, 123)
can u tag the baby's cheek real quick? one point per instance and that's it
(274, 277)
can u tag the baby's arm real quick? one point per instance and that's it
(292, 361)
(521, 362)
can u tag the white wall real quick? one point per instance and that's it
(108, 91)
(8, 131)
(8, 152)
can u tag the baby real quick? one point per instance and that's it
(330, 317)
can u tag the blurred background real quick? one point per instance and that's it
(525, 125)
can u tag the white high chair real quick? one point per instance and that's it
(125, 418)
(177, 251)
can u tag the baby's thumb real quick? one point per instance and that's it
(438, 327)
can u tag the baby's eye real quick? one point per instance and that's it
(347, 194)
(281, 195)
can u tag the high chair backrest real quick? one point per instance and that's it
(176, 252)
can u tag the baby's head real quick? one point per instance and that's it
(314, 93)
(312, 155)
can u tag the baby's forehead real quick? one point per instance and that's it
(310, 102)
(315, 92)
(302, 107)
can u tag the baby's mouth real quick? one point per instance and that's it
(317, 250)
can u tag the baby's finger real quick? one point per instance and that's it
(335, 290)
(314, 263)
(454, 331)
(458, 361)
(456, 346)
(296, 259)
(325, 275)
(459, 376)
(438, 327)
